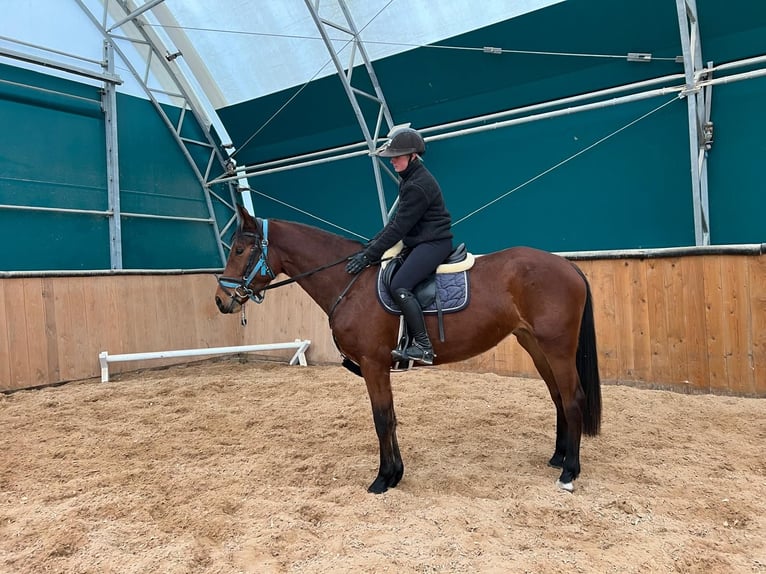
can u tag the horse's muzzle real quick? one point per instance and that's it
(227, 307)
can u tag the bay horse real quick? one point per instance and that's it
(541, 298)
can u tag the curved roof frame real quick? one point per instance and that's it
(126, 14)
(698, 107)
(345, 74)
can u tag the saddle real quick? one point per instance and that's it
(427, 291)
(445, 291)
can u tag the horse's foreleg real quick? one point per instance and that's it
(381, 398)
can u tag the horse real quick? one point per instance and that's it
(541, 298)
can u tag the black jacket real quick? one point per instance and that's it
(420, 216)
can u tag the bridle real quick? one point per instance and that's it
(239, 289)
(257, 263)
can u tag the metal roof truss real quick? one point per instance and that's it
(345, 73)
(179, 90)
(698, 105)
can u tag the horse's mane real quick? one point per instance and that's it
(315, 234)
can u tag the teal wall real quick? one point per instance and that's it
(603, 199)
(52, 154)
(735, 164)
(632, 191)
(155, 178)
(733, 31)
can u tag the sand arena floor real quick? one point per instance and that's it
(229, 467)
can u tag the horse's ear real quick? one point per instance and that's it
(245, 219)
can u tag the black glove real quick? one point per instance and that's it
(357, 262)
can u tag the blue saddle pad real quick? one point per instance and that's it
(451, 289)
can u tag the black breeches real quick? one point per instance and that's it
(420, 263)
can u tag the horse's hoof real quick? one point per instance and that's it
(568, 486)
(378, 487)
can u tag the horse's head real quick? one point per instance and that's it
(247, 269)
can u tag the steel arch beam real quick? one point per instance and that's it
(698, 107)
(345, 74)
(179, 90)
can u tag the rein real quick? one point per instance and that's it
(304, 274)
(322, 268)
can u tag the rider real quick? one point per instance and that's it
(423, 223)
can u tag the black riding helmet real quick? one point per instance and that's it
(403, 141)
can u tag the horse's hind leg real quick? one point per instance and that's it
(378, 380)
(560, 376)
(560, 450)
(570, 413)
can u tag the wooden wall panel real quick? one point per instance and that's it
(53, 328)
(37, 346)
(639, 368)
(608, 304)
(737, 335)
(674, 303)
(162, 313)
(519, 362)
(621, 326)
(18, 335)
(210, 324)
(5, 353)
(631, 328)
(757, 316)
(696, 323)
(114, 338)
(70, 327)
(49, 305)
(697, 367)
(182, 315)
(658, 321)
(96, 317)
(714, 319)
(287, 314)
(152, 323)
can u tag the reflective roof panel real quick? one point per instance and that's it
(254, 48)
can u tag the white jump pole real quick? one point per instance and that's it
(299, 356)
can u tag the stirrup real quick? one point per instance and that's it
(415, 353)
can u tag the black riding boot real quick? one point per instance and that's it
(420, 349)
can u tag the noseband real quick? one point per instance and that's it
(257, 263)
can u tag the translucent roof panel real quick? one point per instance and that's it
(251, 49)
(234, 51)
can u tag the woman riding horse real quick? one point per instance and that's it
(422, 223)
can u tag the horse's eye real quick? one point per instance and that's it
(239, 250)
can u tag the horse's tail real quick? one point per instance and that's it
(587, 365)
